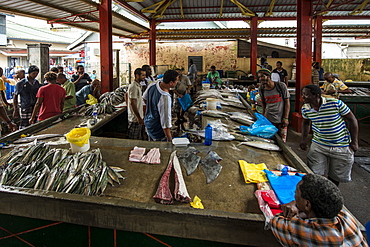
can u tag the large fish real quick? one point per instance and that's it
(38, 137)
(189, 160)
(249, 138)
(242, 120)
(214, 113)
(210, 166)
(262, 145)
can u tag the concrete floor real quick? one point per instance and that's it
(356, 193)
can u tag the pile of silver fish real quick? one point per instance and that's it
(101, 108)
(114, 98)
(44, 168)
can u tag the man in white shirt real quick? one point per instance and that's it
(135, 106)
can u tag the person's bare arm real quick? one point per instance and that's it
(4, 98)
(36, 110)
(15, 106)
(62, 104)
(305, 129)
(5, 118)
(353, 130)
(286, 112)
(167, 132)
(133, 103)
(96, 92)
(347, 90)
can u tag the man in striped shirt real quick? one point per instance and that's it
(333, 143)
(316, 217)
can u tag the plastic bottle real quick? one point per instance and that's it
(208, 135)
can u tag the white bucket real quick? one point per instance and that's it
(206, 86)
(82, 149)
(211, 103)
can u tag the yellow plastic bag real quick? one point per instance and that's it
(253, 173)
(79, 136)
(197, 203)
(92, 100)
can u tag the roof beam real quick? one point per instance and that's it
(181, 10)
(245, 11)
(271, 7)
(159, 8)
(329, 6)
(132, 9)
(359, 8)
(221, 8)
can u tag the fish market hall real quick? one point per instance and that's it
(205, 164)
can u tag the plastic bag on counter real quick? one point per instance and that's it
(261, 128)
(216, 135)
(217, 125)
(268, 204)
(284, 185)
(185, 102)
(253, 173)
(91, 100)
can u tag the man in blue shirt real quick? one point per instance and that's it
(93, 89)
(158, 107)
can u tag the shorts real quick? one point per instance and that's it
(335, 161)
(134, 130)
(25, 117)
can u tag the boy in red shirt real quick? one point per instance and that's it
(50, 99)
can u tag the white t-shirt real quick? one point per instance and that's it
(134, 92)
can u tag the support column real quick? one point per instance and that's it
(253, 50)
(106, 52)
(317, 42)
(38, 54)
(152, 43)
(304, 57)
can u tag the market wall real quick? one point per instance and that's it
(222, 54)
(348, 69)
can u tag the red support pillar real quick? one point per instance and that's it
(317, 39)
(253, 50)
(106, 51)
(152, 43)
(304, 56)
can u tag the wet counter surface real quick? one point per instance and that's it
(231, 210)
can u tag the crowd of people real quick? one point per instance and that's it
(36, 101)
(315, 218)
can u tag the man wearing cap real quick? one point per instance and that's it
(275, 101)
(27, 89)
(315, 73)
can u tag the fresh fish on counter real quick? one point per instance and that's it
(163, 194)
(101, 108)
(214, 113)
(136, 154)
(262, 145)
(152, 157)
(242, 120)
(210, 166)
(249, 138)
(45, 168)
(189, 159)
(38, 137)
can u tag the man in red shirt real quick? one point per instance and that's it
(50, 99)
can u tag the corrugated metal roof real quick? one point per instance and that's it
(53, 9)
(22, 32)
(240, 33)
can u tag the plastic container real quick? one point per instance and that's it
(208, 135)
(211, 103)
(180, 142)
(206, 86)
(84, 148)
(79, 139)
